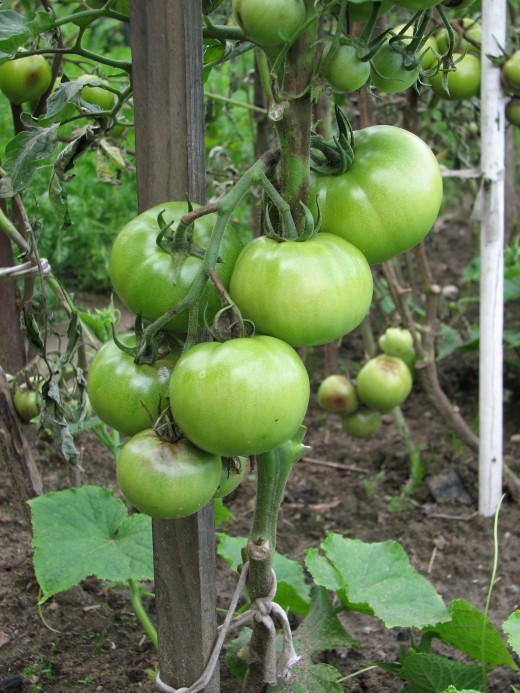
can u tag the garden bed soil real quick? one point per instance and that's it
(89, 639)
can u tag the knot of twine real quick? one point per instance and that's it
(263, 610)
(26, 269)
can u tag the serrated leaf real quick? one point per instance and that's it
(452, 689)
(95, 536)
(307, 677)
(62, 102)
(113, 153)
(59, 199)
(323, 572)
(13, 31)
(429, 673)
(23, 153)
(511, 627)
(321, 629)
(292, 593)
(467, 630)
(379, 576)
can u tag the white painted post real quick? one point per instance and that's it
(492, 256)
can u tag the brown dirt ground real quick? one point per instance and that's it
(96, 643)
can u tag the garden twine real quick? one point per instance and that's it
(26, 269)
(263, 610)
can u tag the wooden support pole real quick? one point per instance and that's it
(166, 37)
(492, 261)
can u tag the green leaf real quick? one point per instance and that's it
(237, 653)
(378, 578)
(429, 673)
(62, 102)
(472, 633)
(13, 31)
(292, 593)
(511, 627)
(95, 536)
(222, 514)
(323, 572)
(22, 154)
(452, 689)
(321, 630)
(450, 341)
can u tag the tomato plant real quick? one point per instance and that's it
(97, 95)
(233, 471)
(166, 480)
(145, 276)
(25, 79)
(384, 382)
(337, 394)
(125, 395)
(388, 200)
(269, 22)
(463, 83)
(306, 293)
(344, 70)
(362, 423)
(389, 72)
(242, 397)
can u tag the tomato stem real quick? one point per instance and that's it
(140, 612)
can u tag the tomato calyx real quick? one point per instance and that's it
(310, 227)
(147, 349)
(336, 157)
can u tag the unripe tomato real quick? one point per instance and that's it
(397, 341)
(361, 11)
(268, 22)
(242, 397)
(337, 394)
(458, 4)
(96, 95)
(345, 72)
(384, 382)
(144, 276)
(472, 29)
(513, 112)
(388, 200)
(428, 51)
(463, 83)
(305, 293)
(25, 79)
(123, 394)
(511, 73)
(233, 472)
(166, 480)
(27, 403)
(362, 423)
(416, 4)
(388, 72)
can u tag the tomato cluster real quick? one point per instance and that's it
(383, 383)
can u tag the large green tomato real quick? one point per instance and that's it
(127, 396)
(306, 293)
(472, 30)
(97, 95)
(384, 382)
(266, 22)
(361, 11)
(242, 397)
(25, 79)
(463, 83)
(389, 199)
(416, 4)
(166, 480)
(513, 111)
(143, 274)
(345, 72)
(511, 73)
(388, 72)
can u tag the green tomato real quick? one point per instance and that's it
(362, 423)
(97, 95)
(143, 274)
(511, 74)
(384, 382)
(513, 112)
(345, 72)
(473, 31)
(305, 293)
(25, 79)
(27, 403)
(233, 472)
(463, 83)
(361, 11)
(268, 22)
(428, 51)
(337, 394)
(166, 480)
(396, 341)
(126, 396)
(388, 72)
(242, 397)
(388, 200)
(458, 4)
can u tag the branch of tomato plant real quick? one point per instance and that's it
(140, 612)
(414, 454)
(273, 470)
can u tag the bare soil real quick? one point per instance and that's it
(89, 639)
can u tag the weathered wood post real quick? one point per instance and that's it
(166, 37)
